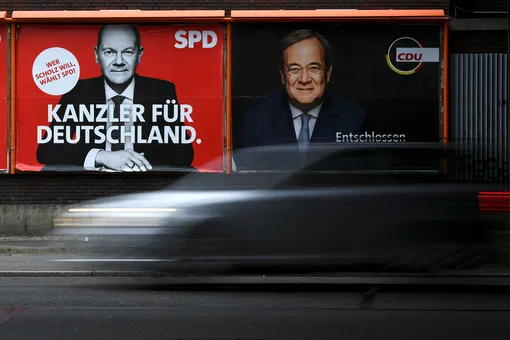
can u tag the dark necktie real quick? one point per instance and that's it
(116, 115)
(304, 133)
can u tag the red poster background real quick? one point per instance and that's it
(4, 163)
(196, 72)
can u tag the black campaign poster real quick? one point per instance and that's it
(376, 82)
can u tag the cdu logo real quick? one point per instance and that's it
(406, 55)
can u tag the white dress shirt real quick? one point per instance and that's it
(296, 116)
(296, 113)
(128, 93)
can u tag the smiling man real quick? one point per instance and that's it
(118, 53)
(304, 111)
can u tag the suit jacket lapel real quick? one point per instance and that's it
(146, 97)
(100, 98)
(282, 121)
(94, 95)
(139, 96)
(327, 121)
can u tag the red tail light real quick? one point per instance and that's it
(494, 201)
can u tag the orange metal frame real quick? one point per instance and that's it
(217, 16)
(3, 16)
(229, 99)
(12, 150)
(220, 15)
(338, 15)
(137, 16)
(446, 84)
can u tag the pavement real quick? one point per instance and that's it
(69, 287)
(149, 308)
(53, 244)
(69, 256)
(80, 256)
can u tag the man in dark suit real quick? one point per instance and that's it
(304, 111)
(118, 52)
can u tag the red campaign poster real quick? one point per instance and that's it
(4, 162)
(119, 97)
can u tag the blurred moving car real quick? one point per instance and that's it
(390, 207)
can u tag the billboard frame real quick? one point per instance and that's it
(220, 16)
(3, 21)
(104, 17)
(336, 15)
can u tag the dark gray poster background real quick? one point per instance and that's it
(407, 104)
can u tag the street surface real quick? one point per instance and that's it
(149, 308)
(256, 307)
(69, 253)
(99, 254)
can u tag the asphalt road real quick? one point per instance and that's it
(73, 253)
(96, 254)
(149, 308)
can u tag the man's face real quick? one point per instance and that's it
(304, 73)
(118, 55)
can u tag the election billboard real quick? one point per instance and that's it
(119, 97)
(303, 83)
(4, 128)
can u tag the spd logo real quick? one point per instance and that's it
(406, 55)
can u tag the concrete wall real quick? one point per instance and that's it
(26, 219)
(28, 201)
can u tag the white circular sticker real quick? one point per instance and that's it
(56, 71)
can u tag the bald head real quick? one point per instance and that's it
(119, 29)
